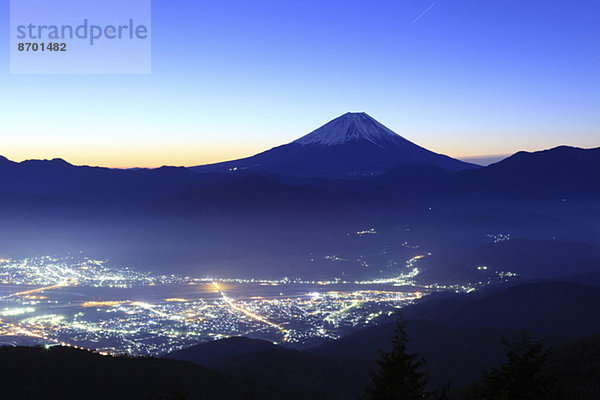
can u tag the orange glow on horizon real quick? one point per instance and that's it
(141, 156)
(192, 154)
(155, 160)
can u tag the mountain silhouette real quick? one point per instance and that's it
(350, 146)
(559, 175)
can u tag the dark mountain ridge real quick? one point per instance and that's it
(93, 186)
(556, 175)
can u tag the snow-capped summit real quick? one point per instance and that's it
(352, 145)
(350, 127)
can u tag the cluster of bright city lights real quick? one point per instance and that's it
(87, 303)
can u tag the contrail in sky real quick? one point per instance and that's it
(423, 13)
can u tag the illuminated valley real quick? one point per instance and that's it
(80, 302)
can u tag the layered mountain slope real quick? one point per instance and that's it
(561, 174)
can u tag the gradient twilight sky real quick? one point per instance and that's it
(231, 78)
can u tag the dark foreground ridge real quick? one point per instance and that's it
(561, 313)
(69, 374)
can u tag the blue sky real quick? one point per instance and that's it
(232, 78)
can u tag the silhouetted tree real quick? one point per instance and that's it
(524, 375)
(399, 375)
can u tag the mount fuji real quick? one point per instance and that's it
(350, 146)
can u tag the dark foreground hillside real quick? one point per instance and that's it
(68, 374)
(268, 364)
(459, 336)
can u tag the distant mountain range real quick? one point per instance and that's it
(558, 175)
(380, 163)
(351, 146)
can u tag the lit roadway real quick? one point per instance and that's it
(250, 313)
(38, 290)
